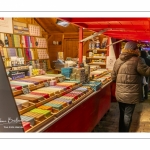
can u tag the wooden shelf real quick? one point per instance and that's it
(96, 57)
(32, 60)
(36, 59)
(30, 47)
(27, 47)
(100, 50)
(8, 67)
(34, 47)
(19, 70)
(12, 47)
(21, 34)
(97, 64)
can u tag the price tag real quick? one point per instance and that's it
(26, 90)
(46, 84)
(95, 51)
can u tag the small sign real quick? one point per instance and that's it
(46, 84)
(95, 51)
(26, 90)
(110, 62)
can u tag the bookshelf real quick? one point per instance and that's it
(26, 41)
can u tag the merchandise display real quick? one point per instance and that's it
(25, 42)
(43, 103)
(101, 75)
(78, 74)
(97, 52)
(34, 30)
(66, 72)
(42, 54)
(20, 28)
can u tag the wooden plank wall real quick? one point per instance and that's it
(54, 49)
(69, 45)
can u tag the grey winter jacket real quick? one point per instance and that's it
(127, 72)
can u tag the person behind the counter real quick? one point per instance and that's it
(127, 72)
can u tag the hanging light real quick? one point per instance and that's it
(62, 23)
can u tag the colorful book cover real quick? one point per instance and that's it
(26, 43)
(30, 55)
(12, 37)
(30, 41)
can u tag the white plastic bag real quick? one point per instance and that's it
(144, 81)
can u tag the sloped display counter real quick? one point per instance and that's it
(85, 115)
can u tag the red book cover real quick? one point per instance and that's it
(26, 42)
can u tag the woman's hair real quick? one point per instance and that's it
(143, 54)
(1, 43)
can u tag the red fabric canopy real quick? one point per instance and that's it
(137, 29)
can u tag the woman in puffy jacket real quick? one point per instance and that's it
(128, 71)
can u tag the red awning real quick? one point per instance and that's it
(137, 29)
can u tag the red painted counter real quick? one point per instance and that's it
(84, 116)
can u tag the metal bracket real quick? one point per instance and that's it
(95, 34)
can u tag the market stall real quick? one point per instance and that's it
(73, 101)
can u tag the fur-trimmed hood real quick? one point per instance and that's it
(127, 54)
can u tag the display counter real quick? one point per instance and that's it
(47, 105)
(85, 115)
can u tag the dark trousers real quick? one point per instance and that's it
(146, 91)
(126, 112)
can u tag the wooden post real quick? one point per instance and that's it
(80, 45)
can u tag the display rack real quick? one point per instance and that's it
(97, 52)
(25, 42)
(97, 58)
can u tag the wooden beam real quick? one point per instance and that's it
(44, 32)
(82, 25)
(53, 22)
(77, 33)
(49, 36)
(94, 35)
